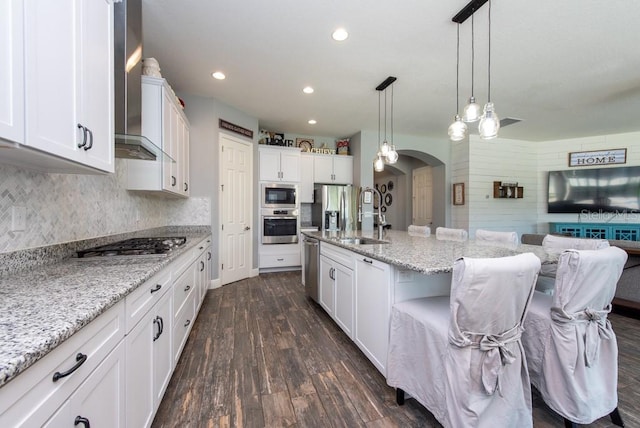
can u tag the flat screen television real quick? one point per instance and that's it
(612, 190)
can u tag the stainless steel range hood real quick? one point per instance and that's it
(129, 141)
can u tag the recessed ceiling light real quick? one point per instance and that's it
(340, 34)
(312, 122)
(307, 90)
(218, 75)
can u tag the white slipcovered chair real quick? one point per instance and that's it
(503, 239)
(460, 356)
(571, 348)
(554, 244)
(448, 234)
(415, 230)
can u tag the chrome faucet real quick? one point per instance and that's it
(381, 219)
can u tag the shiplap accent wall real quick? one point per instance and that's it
(459, 174)
(502, 160)
(554, 155)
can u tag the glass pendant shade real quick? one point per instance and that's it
(472, 111)
(489, 124)
(458, 129)
(378, 163)
(392, 155)
(384, 149)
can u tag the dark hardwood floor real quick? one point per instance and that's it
(261, 354)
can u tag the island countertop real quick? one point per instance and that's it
(426, 254)
(42, 307)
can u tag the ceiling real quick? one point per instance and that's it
(568, 68)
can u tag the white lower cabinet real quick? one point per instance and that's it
(336, 284)
(115, 370)
(372, 309)
(149, 362)
(100, 400)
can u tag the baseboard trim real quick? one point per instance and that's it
(627, 308)
(214, 283)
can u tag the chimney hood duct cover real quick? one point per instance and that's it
(129, 143)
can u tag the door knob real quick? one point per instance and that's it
(247, 228)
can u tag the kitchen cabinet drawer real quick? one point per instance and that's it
(183, 288)
(144, 297)
(279, 260)
(32, 397)
(337, 254)
(183, 323)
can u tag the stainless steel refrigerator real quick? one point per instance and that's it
(335, 208)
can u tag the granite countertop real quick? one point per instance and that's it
(42, 307)
(426, 254)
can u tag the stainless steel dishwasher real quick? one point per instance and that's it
(311, 262)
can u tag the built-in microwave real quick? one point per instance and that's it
(278, 195)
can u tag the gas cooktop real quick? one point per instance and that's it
(135, 247)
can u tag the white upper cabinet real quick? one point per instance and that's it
(11, 72)
(279, 164)
(306, 179)
(333, 169)
(166, 125)
(68, 51)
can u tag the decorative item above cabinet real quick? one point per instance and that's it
(506, 190)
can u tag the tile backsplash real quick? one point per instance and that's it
(67, 207)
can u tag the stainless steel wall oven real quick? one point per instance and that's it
(279, 226)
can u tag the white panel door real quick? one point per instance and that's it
(422, 196)
(235, 209)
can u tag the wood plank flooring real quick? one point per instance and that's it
(261, 354)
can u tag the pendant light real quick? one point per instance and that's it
(378, 161)
(490, 123)
(458, 129)
(472, 112)
(392, 154)
(384, 149)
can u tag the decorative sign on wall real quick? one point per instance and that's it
(235, 128)
(598, 157)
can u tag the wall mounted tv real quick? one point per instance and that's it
(612, 190)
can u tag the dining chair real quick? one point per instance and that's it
(448, 234)
(554, 244)
(570, 345)
(491, 237)
(419, 230)
(460, 356)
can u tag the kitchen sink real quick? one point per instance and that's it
(361, 241)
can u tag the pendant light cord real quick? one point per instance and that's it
(392, 114)
(489, 61)
(458, 71)
(378, 121)
(385, 115)
(473, 52)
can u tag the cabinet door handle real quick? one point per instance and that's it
(208, 255)
(368, 261)
(156, 288)
(84, 136)
(186, 324)
(80, 358)
(187, 288)
(87, 147)
(83, 421)
(161, 321)
(247, 228)
(186, 187)
(202, 266)
(156, 333)
(173, 181)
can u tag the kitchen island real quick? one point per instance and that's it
(359, 283)
(78, 320)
